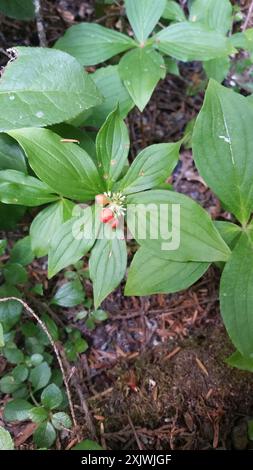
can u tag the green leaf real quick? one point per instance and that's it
(217, 68)
(92, 43)
(40, 376)
(20, 9)
(61, 421)
(6, 442)
(140, 70)
(173, 11)
(10, 215)
(2, 342)
(240, 362)
(10, 311)
(151, 275)
(150, 168)
(143, 16)
(14, 273)
(44, 435)
(109, 84)
(71, 242)
(69, 295)
(217, 14)
(3, 245)
(36, 359)
(11, 155)
(107, 266)
(8, 385)
(99, 315)
(66, 168)
(52, 328)
(46, 223)
(44, 86)
(67, 131)
(20, 373)
(229, 232)
(38, 414)
(17, 410)
(87, 444)
(153, 223)
(236, 296)
(250, 430)
(13, 354)
(192, 41)
(51, 397)
(219, 148)
(19, 188)
(112, 145)
(21, 252)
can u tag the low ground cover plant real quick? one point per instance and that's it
(64, 163)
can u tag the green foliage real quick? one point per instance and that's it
(32, 94)
(20, 9)
(203, 36)
(6, 442)
(87, 444)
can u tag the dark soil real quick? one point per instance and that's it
(154, 376)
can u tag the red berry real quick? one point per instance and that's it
(114, 223)
(101, 199)
(106, 215)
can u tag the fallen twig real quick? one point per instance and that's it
(40, 24)
(248, 17)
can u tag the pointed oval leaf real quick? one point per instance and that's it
(40, 376)
(18, 188)
(217, 14)
(71, 242)
(51, 397)
(44, 86)
(112, 145)
(45, 435)
(65, 167)
(173, 11)
(92, 43)
(109, 84)
(17, 410)
(141, 70)
(217, 68)
(150, 168)
(219, 148)
(157, 217)
(143, 15)
(6, 442)
(229, 232)
(149, 274)
(236, 295)
(192, 41)
(107, 266)
(69, 294)
(46, 223)
(11, 155)
(11, 310)
(20, 9)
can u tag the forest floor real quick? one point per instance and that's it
(154, 376)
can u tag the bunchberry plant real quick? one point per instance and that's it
(65, 175)
(222, 147)
(200, 37)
